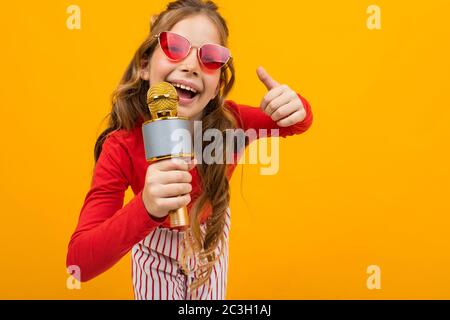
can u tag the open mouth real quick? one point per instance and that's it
(185, 94)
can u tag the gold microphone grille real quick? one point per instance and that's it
(162, 97)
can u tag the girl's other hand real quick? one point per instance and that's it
(281, 103)
(167, 186)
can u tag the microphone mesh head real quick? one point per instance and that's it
(162, 98)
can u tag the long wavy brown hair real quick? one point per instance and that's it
(129, 104)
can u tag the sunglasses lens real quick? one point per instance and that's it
(213, 56)
(174, 46)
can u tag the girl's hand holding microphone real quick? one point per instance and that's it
(167, 186)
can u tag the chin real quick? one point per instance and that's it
(187, 112)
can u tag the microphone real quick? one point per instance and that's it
(159, 136)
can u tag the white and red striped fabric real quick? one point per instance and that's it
(157, 274)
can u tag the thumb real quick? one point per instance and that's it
(266, 79)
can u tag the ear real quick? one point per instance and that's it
(143, 70)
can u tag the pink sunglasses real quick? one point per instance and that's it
(177, 48)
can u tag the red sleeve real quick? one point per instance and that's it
(106, 231)
(254, 118)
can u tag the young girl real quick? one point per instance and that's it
(186, 46)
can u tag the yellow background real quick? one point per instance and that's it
(368, 184)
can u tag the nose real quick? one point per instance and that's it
(190, 63)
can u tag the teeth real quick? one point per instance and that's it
(184, 87)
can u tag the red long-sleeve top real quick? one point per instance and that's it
(106, 229)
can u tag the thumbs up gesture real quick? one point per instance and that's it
(281, 103)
